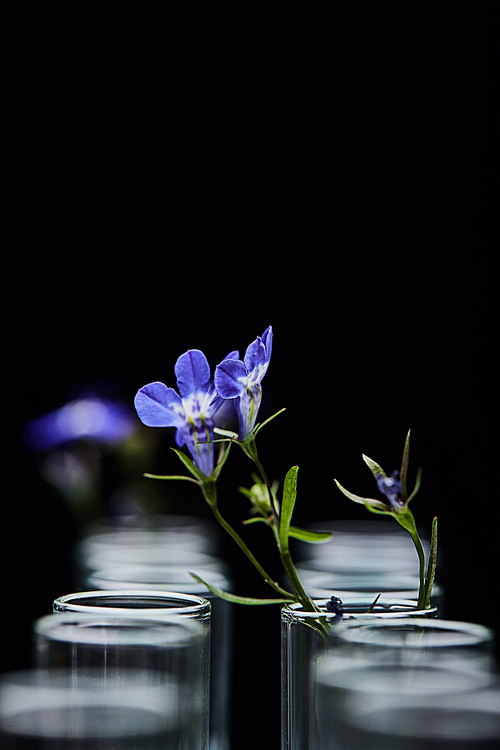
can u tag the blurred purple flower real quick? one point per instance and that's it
(104, 421)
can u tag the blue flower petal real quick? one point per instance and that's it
(267, 338)
(230, 378)
(193, 373)
(159, 406)
(258, 352)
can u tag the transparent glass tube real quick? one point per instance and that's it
(117, 555)
(49, 710)
(168, 530)
(341, 691)
(301, 648)
(177, 578)
(154, 606)
(410, 641)
(115, 649)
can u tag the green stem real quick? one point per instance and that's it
(305, 600)
(421, 558)
(250, 449)
(285, 555)
(241, 544)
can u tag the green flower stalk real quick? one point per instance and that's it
(395, 504)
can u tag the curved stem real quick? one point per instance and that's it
(421, 558)
(250, 449)
(286, 558)
(302, 596)
(241, 544)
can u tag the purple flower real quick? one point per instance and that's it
(391, 487)
(101, 420)
(241, 380)
(336, 607)
(191, 413)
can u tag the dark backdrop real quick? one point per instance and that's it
(338, 186)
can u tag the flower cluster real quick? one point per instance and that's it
(193, 410)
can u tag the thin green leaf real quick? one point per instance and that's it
(171, 476)
(287, 505)
(234, 599)
(381, 512)
(222, 461)
(417, 485)
(259, 427)
(256, 519)
(372, 605)
(404, 466)
(312, 537)
(245, 491)
(370, 502)
(431, 565)
(375, 469)
(190, 465)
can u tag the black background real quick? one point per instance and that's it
(178, 183)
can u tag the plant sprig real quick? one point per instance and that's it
(395, 504)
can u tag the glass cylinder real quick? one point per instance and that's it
(177, 578)
(169, 531)
(302, 645)
(49, 710)
(154, 606)
(117, 555)
(116, 648)
(410, 641)
(459, 721)
(341, 691)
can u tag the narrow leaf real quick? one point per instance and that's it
(313, 537)
(288, 504)
(171, 476)
(266, 421)
(372, 605)
(256, 519)
(384, 512)
(189, 464)
(222, 460)
(404, 466)
(234, 599)
(417, 485)
(370, 502)
(375, 469)
(431, 565)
